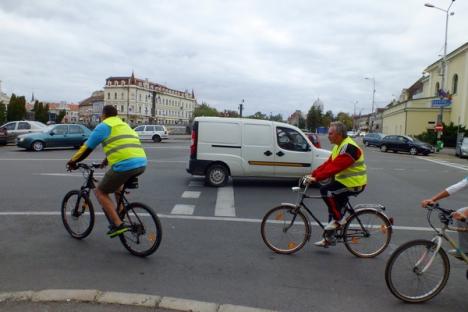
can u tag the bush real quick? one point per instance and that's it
(449, 135)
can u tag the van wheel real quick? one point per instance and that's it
(156, 138)
(217, 175)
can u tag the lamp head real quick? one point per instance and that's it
(429, 5)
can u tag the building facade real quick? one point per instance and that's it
(141, 101)
(90, 109)
(417, 111)
(4, 98)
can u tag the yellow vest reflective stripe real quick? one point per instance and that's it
(356, 174)
(123, 142)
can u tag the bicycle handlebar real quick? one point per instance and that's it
(88, 167)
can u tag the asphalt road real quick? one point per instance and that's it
(208, 257)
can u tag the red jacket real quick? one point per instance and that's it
(341, 162)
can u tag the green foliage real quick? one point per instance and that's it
(346, 119)
(205, 110)
(449, 135)
(314, 118)
(278, 117)
(302, 123)
(3, 113)
(258, 115)
(60, 115)
(16, 108)
(41, 113)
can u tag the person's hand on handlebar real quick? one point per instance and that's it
(308, 179)
(71, 165)
(427, 202)
(104, 163)
(457, 215)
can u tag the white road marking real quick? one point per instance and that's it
(180, 209)
(225, 202)
(196, 183)
(91, 160)
(167, 147)
(190, 217)
(97, 175)
(190, 194)
(445, 163)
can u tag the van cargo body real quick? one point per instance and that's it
(236, 147)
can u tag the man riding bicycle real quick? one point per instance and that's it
(125, 155)
(461, 215)
(347, 171)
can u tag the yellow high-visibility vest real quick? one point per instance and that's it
(356, 174)
(123, 143)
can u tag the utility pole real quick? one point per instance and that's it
(241, 107)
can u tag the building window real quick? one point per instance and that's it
(122, 96)
(437, 87)
(108, 96)
(454, 84)
(121, 108)
(115, 96)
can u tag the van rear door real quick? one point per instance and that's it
(258, 149)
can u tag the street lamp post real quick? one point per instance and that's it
(241, 107)
(444, 57)
(373, 101)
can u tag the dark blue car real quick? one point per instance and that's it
(372, 139)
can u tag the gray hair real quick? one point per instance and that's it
(340, 128)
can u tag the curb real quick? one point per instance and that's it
(120, 298)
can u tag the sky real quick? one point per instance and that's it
(277, 56)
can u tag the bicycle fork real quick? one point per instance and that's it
(438, 243)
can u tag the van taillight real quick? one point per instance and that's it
(193, 145)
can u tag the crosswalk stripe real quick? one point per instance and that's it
(181, 209)
(190, 194)
(225, 202)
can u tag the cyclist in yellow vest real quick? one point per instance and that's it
(347, 171)
(124, 154)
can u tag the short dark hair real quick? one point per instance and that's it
(340, 128)
(109, 110)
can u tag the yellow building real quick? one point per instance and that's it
(415, 111)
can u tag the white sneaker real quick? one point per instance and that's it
(322, 243)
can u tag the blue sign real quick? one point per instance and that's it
(441, 102)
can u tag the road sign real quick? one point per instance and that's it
(439, 128)
(441, 102)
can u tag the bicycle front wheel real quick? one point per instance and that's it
(416, 271)
(367, 233)
(145, 233)
(77, 214)
(285, 230)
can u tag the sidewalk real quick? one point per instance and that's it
(90, 300)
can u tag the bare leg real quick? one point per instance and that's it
(117, 199)
(108, 207)
(463, 236)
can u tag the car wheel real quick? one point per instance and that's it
(156, 138)
(217, 175)
(413, 151)
(383, 148)
(37, 146)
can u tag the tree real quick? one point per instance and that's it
(229, 113)
(277, 117)
(314, 118)
(258, 115)
(327, 118)
(205, 110)
(3, 116)
(16, 108)
(39, 112)
(302, 123)
(60, 115)
(345, 119)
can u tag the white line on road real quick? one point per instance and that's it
(97, 175)
(190, 194)
(190, 217)
(180, 209)
(225, 202)
(92, 160)
(445, 163)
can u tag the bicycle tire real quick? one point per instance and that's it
(397, 282)
(275, 225)
(378, 236)
(79, 223)
(150, 231)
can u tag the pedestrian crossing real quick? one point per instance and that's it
(224, 206)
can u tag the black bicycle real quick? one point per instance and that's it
(418, 270)
(144, 236)
(286, 229)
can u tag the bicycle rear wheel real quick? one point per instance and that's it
(415, 273)
(77, 214)
(367, 233)
(145, 233)
(285, 231)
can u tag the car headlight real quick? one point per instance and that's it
(20, 139)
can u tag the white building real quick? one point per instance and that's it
(3, 96)
(141, 101)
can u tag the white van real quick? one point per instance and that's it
(223, 147)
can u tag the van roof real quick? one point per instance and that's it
(243, 120)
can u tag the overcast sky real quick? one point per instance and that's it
(278, 56)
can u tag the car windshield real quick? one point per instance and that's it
(47, 128)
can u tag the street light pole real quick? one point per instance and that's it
(241, 107)
(444, 57)
(373, 100)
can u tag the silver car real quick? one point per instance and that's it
(462, 148)
(152, 132)
(16, 128)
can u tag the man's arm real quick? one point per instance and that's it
(346, 159)
(100, 133)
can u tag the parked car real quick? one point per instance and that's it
(372, 139)
(241, 147)
(3, 136)
(152, 132)
(403, 143)
(59, 135)
(462, 148)
(16, 128)
(351, 134)
(314, 138)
